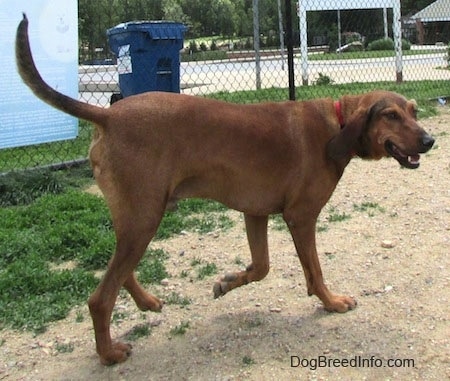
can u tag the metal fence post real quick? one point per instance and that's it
(256, 43)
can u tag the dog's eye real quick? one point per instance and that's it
(392, 115)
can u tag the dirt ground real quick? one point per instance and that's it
(394, 258)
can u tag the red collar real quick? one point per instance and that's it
(337, 107)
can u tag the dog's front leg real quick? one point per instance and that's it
(256, 227)
(304, 234)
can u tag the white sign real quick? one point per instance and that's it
(53, 31)
(124, 65)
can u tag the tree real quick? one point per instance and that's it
(216, 17)
(173, 11)
(223, 15)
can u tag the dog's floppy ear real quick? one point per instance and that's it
(344, 142)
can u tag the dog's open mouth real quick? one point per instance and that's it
(411, 161)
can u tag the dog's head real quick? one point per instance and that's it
(380, 124)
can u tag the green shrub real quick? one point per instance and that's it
(323, 80)
(448, 55)
(209, 55)
(355, 46)
(193, 47)
(406, 45)
(23, 188)
(387, 44)
(381, 44)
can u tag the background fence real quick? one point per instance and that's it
(349, 51)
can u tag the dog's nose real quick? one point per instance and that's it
(427, 141)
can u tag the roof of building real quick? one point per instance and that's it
(437, 11)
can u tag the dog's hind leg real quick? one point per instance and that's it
(134, 228)
(144, 300)
(256, 227)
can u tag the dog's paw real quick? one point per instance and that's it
(340, 303)
(222, 286)
(151, 303)
(220, 289)
(119, 352)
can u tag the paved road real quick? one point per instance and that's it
(232, 76)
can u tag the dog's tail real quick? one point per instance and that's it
(30, 75)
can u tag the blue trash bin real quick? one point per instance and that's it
(148, 55)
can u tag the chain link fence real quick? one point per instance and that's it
(343, 51)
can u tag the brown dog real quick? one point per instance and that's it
(153, 149)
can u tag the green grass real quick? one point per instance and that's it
(21, 188)
(195, 262)
(320, 228)
(65, 348)
(333, 216)
(201, 216)
(54, 229)
(176, 299)
(238, 261)
(421, 91)
(69, 226)
(366, 54)
(151, 269)
(33, 295)
(247, 360)
(139, 331)
(180, 329)
(207, 270)
(118, 316)
(79, 318)
(53, 237)
(336, 216)
(369, 207)
(278, 223)
(204, 269)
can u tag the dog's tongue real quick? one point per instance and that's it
(414, 159)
